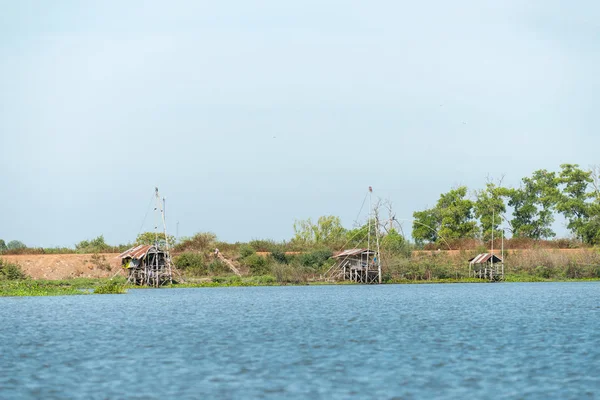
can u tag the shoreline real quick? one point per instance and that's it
(87, 286)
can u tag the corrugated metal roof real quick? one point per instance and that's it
(354, 252)
(484, 258)
(137, 252)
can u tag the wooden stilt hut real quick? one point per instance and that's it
(487, 266)
(147, 265)
(357, 265)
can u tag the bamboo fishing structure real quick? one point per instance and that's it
(359, 265)
(150, 265)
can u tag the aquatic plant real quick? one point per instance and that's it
(110, 287)
(34, 288)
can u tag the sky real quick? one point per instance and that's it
(248, 115)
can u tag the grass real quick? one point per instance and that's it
(110, 287)
(35, 288)
(75, 286)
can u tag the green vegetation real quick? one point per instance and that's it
(572, 192)
(96, 245)
(460, 220)
(110, 287)
(35, 288)
(15, 245)
(153, 237)
(14, 282)
(11, 272)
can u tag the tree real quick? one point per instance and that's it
(533, 205)
(457, 215)
(451, 218)
(489, 207)
(426, 225)
(2, 246)
(15, 245)
(359, 236)
(201, 241)
(327, 231)
(96, 245)
(152, 237)
(394, 244)
(573, 199)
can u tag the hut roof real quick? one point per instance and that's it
(354, 253)
(137, 252)
(485, 258)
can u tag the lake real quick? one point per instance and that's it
(504, 340)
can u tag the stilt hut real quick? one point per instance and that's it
(486, 266)
(147, 265)
(357, 265)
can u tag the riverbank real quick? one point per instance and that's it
(554, 264)
(87, 286)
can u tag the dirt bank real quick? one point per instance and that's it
(64, 266)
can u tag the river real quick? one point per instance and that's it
(503, 340)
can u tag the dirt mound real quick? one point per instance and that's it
(64, 266)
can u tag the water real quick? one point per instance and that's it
(534, 341)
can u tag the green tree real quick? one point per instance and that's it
(327, 231)
(201, 241)
(2, 246)
(15, 245)
(151, 238)
(426, 225)
(359, 237)
(451, 218)
(394, 244)
(489, 207)
(573, 201)
(533, 205)
(457, 215)
(96, 245)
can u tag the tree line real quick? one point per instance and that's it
(528, 211)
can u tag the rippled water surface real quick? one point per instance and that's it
(536, 340)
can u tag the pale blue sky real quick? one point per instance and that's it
(250, 114)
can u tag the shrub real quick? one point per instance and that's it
(97, 245)
(217, 267)
(246, 250)
(203, 241)
(192, 263)
(258, 265)
(279, 256)
(189, 260)
(99, 261)
(288, 273)
(110, 287)
(315, 259)
(263, 245)
(543, 272)
(10, 271)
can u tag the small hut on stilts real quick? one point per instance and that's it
(486, 266)
(147, 265)
(361, 265)
(357, 265)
